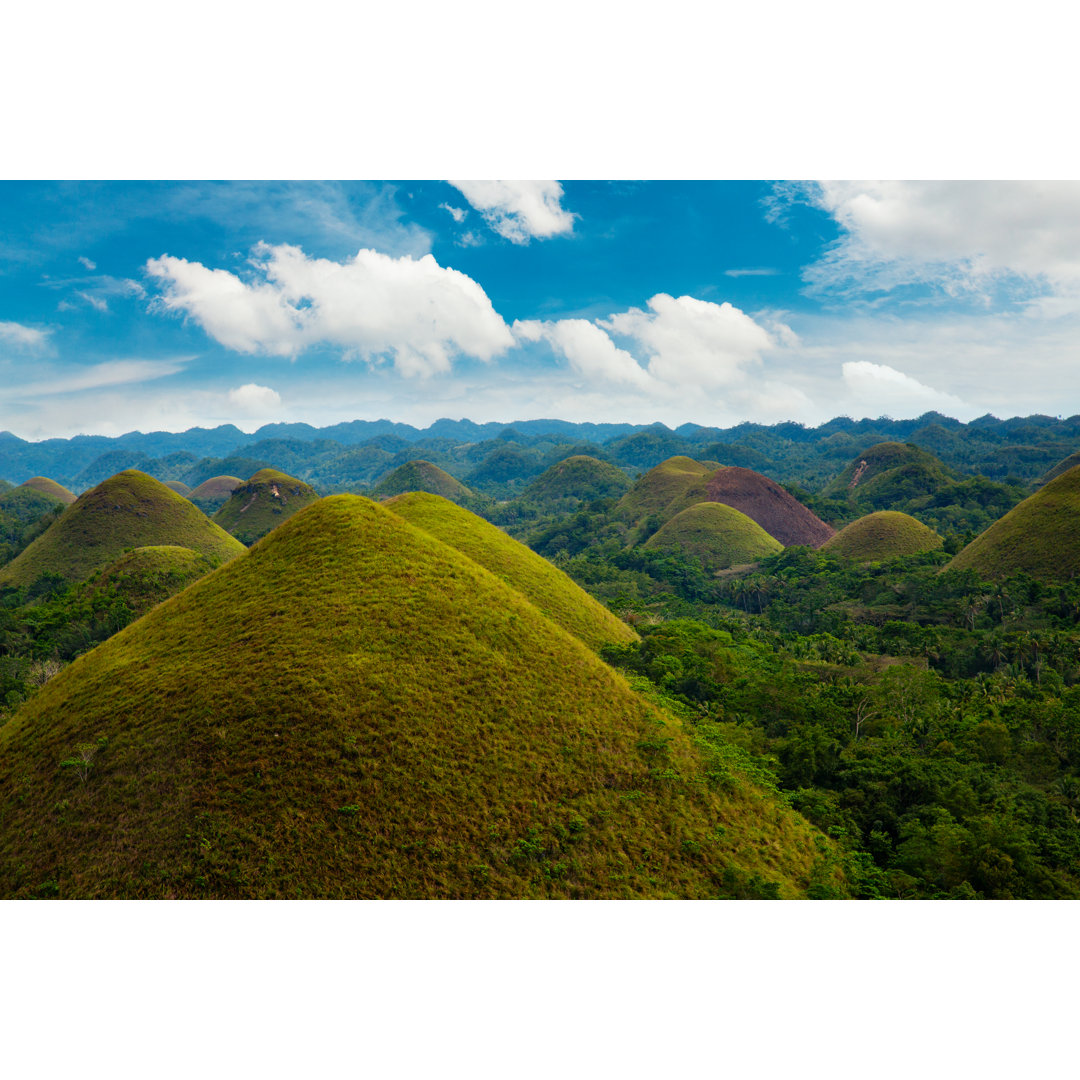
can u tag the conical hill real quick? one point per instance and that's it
(1062, 466)
(212, 494)
(179, 487)
(762, 500)
(655, 490)
(555, 594)
(887, 534)
(579, 477)
(26, 504)
(1041, 535)
(50, 487)
(887, 471)
(717, 534)
(263, 503)
(421, 476)
(145, 576)
(352, 708)
(130, 509)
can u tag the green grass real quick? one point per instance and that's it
(856, 481)
(355, 709)
(717, 534)
(887, 534)
(179, 487)
(146, 576)
(50, 487)
(29, 504)
(263, 503)
(1062, 466)
(1041, 536)
(579, 477)
(212, 494)
(657, 489)
(562, 600)
(421, 476)
(130, 509)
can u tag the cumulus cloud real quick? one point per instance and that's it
(519, 210)
(98, 303)
(588, 349)
(375, 305)
(455, 212)
(957, 238)
(881, 390)
(25, 337)
(693, 342)
(89, 264)
(254, 400)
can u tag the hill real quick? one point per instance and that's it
(1040, 536)
(355, 709)
(886, 534)
(263, 503)
(762, 500)
(880, 463)
(717, 534)
(559, 598)
(26, 504)
(179, 487)
(50, 487)
(211, 495)
(579, 477)
(145, 576)
(1062, 466)
(421, 476)
(130, 509)
(654, 492)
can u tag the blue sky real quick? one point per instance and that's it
(164, 305)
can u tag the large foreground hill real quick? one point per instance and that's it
(355, 709)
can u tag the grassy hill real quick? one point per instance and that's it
(50, 487)
(1062, 466)
(263, 503)
(211, 495)
(579, 477)
(654, 492)
(877, 463)
(130, 509)
(355, 709)
(886, 534)
(27, 505)
(179, 487)
(1041, 536)
(717, 534)
(559, 598)
(421, 476)
(145, 576)
(762, 500)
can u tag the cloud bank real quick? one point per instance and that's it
(519, 210)
(374, 305)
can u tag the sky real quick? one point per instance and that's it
(165, 305)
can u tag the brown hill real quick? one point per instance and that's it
(50, 487)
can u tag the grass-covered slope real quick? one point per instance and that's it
(179, 487)
(555, 594)
(355, 709)
(211, 495)
(146, 576)
(654, 492)
(263, 503)
(717, 534)
(579, 477)
(26, 504)
(421, 476)
(1062, 466)
(762, 500)
(1040, 536)
(130, 509)
(50, 487)
(887, 534)
(857, 481)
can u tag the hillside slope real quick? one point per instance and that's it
(579, 477)
(717, 534)
(263, 503)
(420, 476)
(556, 595)
(130, 509)
(50, 487)
(887, 534)
(657, 489)
(354, 709)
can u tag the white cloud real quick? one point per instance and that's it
(693, 342)
(958, 238)
(22, 336)
(519, 210)
(455, 212)
(89, 264)
(111, 373)
(880, 390)
(751, 271)
(373, 304)
(588, 349)
(96, 302)
(255, 400)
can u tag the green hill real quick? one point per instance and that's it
(717, 534)
(421, 476)
(211, 495)
(29, 504)
(263, 503)
(579, 477)
(130, 509)
(559, 598)
(875, 470)
(1062, 466)
(355, 709)
(886, 534)
(50, 487)
(659, 487)
(1041, 536)
(179, 487)
(145, 576)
